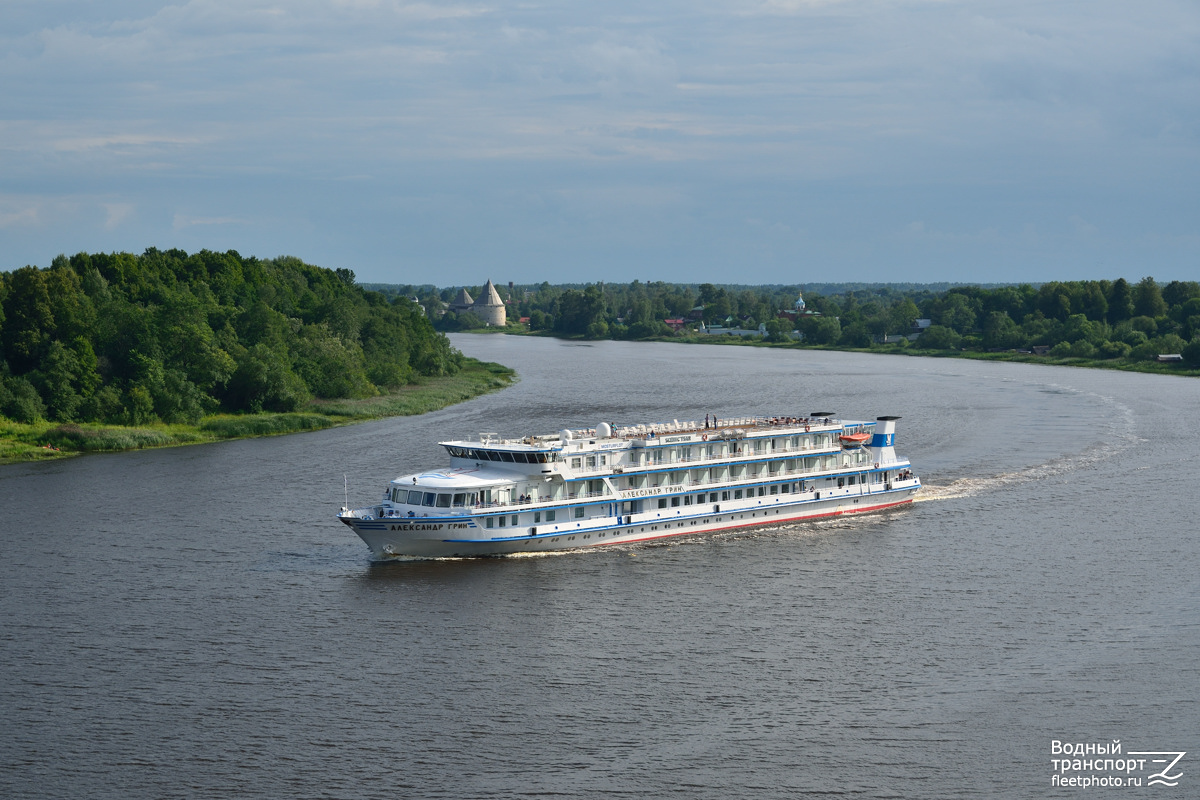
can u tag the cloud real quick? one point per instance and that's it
(116, 213)
(19, 218)
(634, 64)
(1082, 227)
(919, 232)
(119, 141)
(181, 221)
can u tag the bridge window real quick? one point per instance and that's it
(443, 501)
(428, 499)
(414, 498)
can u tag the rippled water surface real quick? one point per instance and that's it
(194, 622)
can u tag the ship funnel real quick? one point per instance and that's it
(883, 442)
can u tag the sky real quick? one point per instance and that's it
(745, 141)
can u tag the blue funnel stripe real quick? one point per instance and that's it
(883, 440)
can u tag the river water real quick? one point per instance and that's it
(194, 622)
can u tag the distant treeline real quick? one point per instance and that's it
(130, 339)
(1108, 320)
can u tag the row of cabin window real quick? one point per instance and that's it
(550, 515)
(736, 494)
(657, 455)
(762, 491)
(501, 455)
(737, 471)
(682, 454)
(591, 461)
(461, 499)
(435, 499)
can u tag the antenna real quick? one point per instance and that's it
(347, 482)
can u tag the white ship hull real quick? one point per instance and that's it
(393, 538)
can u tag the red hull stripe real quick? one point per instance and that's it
(753, 524)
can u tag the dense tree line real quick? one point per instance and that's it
(1084, 319)
(131, 339)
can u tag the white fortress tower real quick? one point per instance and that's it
(489, 307)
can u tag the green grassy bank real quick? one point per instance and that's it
(48, 440)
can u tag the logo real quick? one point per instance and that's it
(1084, 766)
(1161, 777)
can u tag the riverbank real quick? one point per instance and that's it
(1121, 364)
(1124, 365)
(50, 440)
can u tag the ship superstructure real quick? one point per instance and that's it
(625, 483)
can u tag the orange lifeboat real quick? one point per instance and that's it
(854, 439)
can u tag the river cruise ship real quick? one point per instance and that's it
(615, 484)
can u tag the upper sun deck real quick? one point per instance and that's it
(549, 448)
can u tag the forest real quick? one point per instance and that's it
(1114, 321)
(170, 337)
